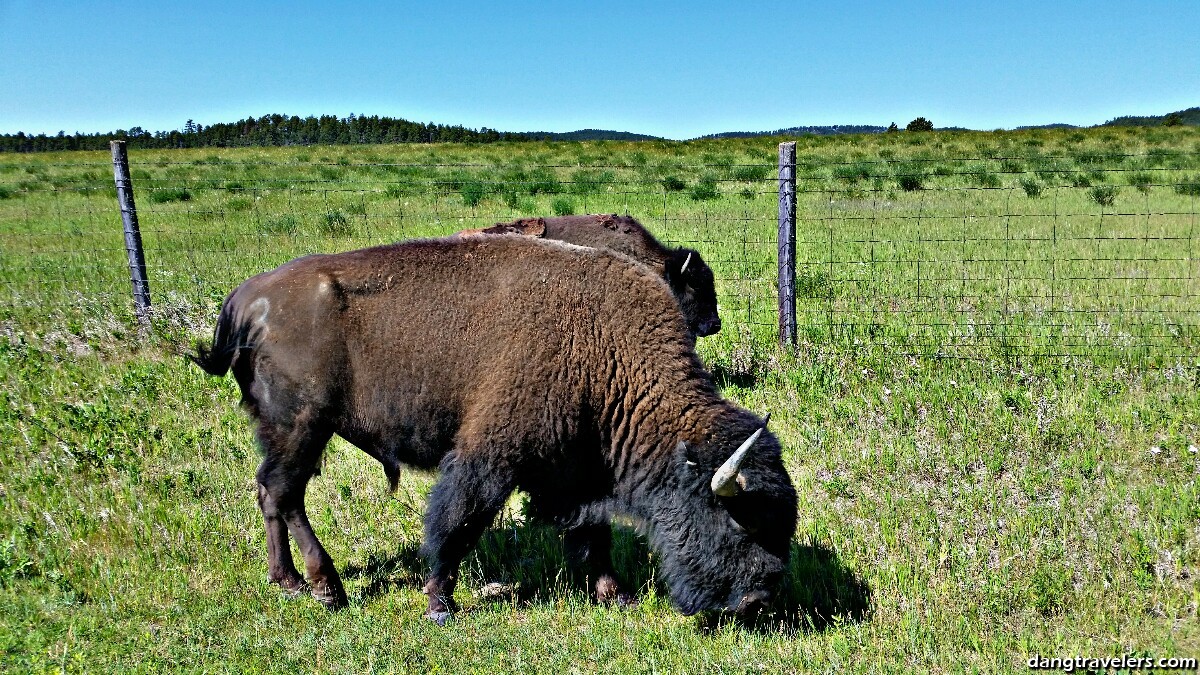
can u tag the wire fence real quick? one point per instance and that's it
(965, 257)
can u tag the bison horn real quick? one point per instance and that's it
(686, 260)
(727, 481)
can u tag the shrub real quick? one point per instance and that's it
(984, 178)
(910, 182)
(1077, 179)
(562, 206)
(704, 189)
(1104, 195)
(6, 192)
(673, 184)
(164, 195)
(1140, 180)
(335, 224)
(747, 193)
(1031, 187)
(1189, 186)
(472, 192)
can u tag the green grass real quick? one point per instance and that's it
(955, 513)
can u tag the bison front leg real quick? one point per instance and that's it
(465, 501)
(590, 546)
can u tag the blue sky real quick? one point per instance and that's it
(671, 69)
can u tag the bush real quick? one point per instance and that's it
(985, 179)
(1104, 195)
(673, 184)
(705, 189)
(1189, 186)
(336, 224)
(164, 195)
(910, 182)
(543, 180)
(747, 193)
(472, 192)
(1031, 187)
(1142, 180)
(562, 206)
(6, 192)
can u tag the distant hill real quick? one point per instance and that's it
(801, 131)
(1190, 117)
(588, 135)
(1056, 125)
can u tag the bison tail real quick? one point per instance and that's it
(229, 337)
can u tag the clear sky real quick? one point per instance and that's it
(678, 69)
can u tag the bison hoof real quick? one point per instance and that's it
(292, 586)
(333, 597)
(440, 618)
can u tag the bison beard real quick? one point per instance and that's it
(507, 363)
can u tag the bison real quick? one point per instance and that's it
(506, 363)
(690, 278)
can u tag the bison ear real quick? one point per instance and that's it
(682, 450)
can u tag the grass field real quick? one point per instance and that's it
(1035, 494)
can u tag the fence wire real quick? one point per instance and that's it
(978, 257)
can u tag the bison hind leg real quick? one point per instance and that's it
(465, 500)
(291, 453)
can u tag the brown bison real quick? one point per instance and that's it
(690, 278)
(506, 363)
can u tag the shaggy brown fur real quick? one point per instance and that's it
(693, 287)
(508, 363)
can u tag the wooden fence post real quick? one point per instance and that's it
(133, 235)
(787, 244)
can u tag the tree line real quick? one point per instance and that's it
(268, 130)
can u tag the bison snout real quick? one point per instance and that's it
(711, 327)
(752, 604)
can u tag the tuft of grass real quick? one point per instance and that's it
(1031, 186)
(1104, 195)
(335, 223)
(170, 194)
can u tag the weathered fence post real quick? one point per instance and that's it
(133, 235)
(787, 244)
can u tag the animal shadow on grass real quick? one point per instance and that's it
(522, 562)
(526, 563)
(820, 593)
(726, 376)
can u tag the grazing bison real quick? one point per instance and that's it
(690, 278)
(506, 363)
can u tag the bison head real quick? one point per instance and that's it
(691, 280)
(729, 550)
